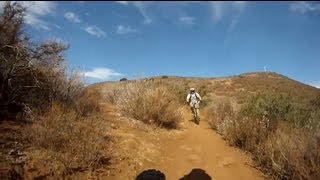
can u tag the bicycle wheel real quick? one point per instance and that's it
(197, 119)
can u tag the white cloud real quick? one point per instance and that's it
(39, 7)
(57, 26)
(304, 7)
(221, 8)
(94, 30)
(142, 9)
(72, 17)
(122, 2)
(187, 20)
(232, 9)
(102, 73)
(239, 7)
(80, 2)
(217, 10)
(141, 6)
(36, 23)
(36, 10)
(125, 29)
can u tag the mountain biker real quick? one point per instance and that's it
(194, 99)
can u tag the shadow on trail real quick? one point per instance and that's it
(153, 174)
(197, 174)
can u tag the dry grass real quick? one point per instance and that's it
(87, 103)
(62, 142)
(285, 148)
(220, 115)
(150, 102)
(291, 153)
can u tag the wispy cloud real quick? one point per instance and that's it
(80, 2)
(122, 2)
(94, 30)
(217, 10)
(234, 9)
(122, 29)
(102, 73)
(238, 7)
(72, 17)
(36, 10)
(36, 22)
(141, 6)
(303, 7)
(39, 7)
(187, 20)
(57, 26)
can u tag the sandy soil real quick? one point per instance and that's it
(193, 148)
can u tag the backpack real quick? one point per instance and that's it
(194, 96)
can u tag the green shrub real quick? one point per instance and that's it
(274, 106)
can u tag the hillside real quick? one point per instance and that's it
(131, 143)
(238, 87)
(177, 152)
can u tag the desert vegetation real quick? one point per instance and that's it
(150, 101)
(282, 135)
(62, 129)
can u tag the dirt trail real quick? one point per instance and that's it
(177, 152)
(201, 148)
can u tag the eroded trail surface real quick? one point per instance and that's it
(199, 147)
(177, 152)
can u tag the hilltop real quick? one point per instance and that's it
(236, 87)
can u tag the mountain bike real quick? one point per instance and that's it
(195, 110)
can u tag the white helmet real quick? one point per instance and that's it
(192, 89)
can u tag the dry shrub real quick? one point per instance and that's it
(247, 133)
(111, 92)
(220, 115)
(33, 75)
(149, 102)
(291, 153)
(88, 103)
(283, 137)
(68, 142)
(238, 130)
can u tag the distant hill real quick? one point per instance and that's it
(238, 87)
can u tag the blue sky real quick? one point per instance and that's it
(111, 40)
